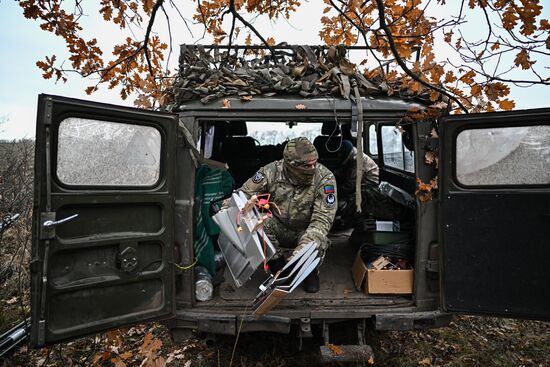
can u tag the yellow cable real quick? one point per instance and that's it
(186, 267)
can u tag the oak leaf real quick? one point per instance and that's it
(522, 59)
(247, 98)
(126, 355)
(226, 103)
(506, 105)
(150, 345)
(468, 77)
(300, 106)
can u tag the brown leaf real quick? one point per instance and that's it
(226, 103)
(12, 300)
(155, 362)
(149, 345)
(425, 362)
(300, 106)
(370, 360)
(336, 350)
(246, 98)
(468, 77)
(522, 59)
(118, 362)
(126, 355)
(434, 133)
(506, 104)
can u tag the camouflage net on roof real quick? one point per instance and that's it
(308, 71)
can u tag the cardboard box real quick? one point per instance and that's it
(374, 281)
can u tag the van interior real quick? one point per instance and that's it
(245, 146)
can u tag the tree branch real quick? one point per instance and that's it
(402, 63)
(250, 26)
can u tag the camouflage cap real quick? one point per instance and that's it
(299, 150)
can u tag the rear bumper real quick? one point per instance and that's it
(231, 324)
(412, 320)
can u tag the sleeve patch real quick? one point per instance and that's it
(328, 189)
(330, 200)
(258, 177)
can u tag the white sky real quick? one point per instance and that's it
(22, 43)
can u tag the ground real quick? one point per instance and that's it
(468, 341)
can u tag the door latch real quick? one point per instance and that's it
(47, 229)
(49, 224)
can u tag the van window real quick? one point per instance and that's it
(272, 133)
(504, 156)
(373, 145)
(98, 153)
(394, 153)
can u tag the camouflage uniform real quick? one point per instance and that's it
(307, 199)
(374, 203)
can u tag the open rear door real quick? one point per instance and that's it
(495, 213)
(103, 218)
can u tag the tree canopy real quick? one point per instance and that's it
(468, 52)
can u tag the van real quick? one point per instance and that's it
(115, 207)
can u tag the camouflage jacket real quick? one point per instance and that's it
(303, 208)
(346, 173)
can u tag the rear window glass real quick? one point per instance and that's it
(272, 133)
(394, 153)
(96, 153)
(504, 156)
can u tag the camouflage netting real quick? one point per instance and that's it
(308, 71)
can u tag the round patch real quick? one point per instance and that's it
(258, 177)
(330, 200)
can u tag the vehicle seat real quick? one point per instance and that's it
(239, 152)
(330, 145)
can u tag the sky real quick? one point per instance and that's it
(22, 43)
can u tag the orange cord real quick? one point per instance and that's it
(265, 250)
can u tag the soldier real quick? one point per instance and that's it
(374, 203)
(305, 192)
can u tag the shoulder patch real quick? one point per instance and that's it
(328, 189)
(330, 200)
(258, 177)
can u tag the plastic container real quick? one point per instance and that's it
(203, 284)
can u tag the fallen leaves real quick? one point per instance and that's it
(12, 301)
(425, 362)
(300, 106)
(226, 103)
(150, 345)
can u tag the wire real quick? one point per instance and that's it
(238, 334)
(337, 127)
(186, 267)
(265, 249)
